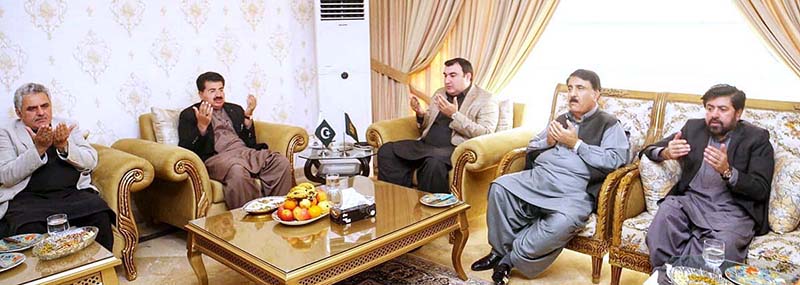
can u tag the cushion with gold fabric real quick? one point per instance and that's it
(778, 252)
(784, 200)
(506, 120)
(165, 125)
(657, 180)
(634, 232)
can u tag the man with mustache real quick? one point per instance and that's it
(222, 134)
(532, 214)
(45, 169)
(727, 167)
(459, 111)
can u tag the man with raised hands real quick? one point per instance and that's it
(727, 165)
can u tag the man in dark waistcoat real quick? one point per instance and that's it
(460, 111)
(727, 166)
(45, 169)
(532, 214)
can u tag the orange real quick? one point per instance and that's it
(322, 196)
(315, 211)
(289, 204)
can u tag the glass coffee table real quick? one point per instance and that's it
(730, 272)
(91, 265)
(350, 160)
(323, 252)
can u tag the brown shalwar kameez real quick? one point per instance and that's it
(237, 166)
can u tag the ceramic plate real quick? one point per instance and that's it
(65, 243)
(744, 274)
(438, 200)
(681, 275)
(263, 205)
(10, 260)
(295, 223)
(19, 242)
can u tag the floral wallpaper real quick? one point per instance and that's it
(107, 62)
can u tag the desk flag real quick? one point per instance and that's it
(325, 133)
(350, 129)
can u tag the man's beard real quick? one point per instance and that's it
(720, 130)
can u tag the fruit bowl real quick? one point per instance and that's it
(296, 223)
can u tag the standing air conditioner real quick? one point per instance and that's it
(343, 63)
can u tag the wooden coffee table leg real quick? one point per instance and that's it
(461, 235)
(196, 260)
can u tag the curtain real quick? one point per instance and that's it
(405, 37)
(778, 23)
(496, 36)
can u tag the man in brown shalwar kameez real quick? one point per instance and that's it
(222, 134)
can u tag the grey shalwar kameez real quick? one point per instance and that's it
(532, 214)
(706, 210)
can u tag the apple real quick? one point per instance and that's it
(285, 214)
(325, 205)
(301, 214)
(305, 203)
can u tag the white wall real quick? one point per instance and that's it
(107, 62)
(677, 46)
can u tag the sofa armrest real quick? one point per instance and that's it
(483, 152)
(385, 131)
(285, 139)
(628, 203)
(605, 200)
(117, 175)
(513, 161)
(173, 164)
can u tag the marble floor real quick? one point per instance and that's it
(163, 261)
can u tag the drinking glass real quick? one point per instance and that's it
(713, 253)
(57, 223)
(332, 185)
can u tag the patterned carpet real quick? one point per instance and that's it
(409, 269)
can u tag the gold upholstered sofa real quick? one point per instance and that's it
(116, 176)
(636, 112)
(182, 190)
(640, 188)
(474, 161)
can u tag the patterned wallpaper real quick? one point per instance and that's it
(107, 62)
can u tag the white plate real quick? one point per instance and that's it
(295, 223)
(10, 260)
(438, 200)
(23, 242)
(263, 205)
(682, 275)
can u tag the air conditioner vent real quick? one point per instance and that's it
(337, 10)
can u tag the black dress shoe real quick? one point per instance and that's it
(500, 275)
(486, 262)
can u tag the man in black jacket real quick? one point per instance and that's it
(724, 188)
(222, 134)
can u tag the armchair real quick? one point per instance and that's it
(182, 190)
(474, 161)
(117, 175)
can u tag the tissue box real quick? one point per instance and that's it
(353, 214)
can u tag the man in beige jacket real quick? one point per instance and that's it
(458, 112)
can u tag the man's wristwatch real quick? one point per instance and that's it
(727, 174)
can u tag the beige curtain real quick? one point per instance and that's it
(496, 36)
(405, 36)
(778, 22)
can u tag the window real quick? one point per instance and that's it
(666, 46)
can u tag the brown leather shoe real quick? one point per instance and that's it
(486, 263)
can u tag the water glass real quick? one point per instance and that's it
(713, 252)
(57, 223)
(332, 185)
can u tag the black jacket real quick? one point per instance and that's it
(749, 151)
(190, 138)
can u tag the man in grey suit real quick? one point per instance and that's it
(460, 111)
(45, 169)
(532, 214)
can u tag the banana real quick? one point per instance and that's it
(298, 192)
(306, 185)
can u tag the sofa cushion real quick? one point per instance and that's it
(506, 120)
(784, 200)
(657, 180)
(778, 252)
(165, 125)
(590, 227)
(216, 192)
(634, 232)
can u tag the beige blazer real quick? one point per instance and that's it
(19, 159)
(478, 116)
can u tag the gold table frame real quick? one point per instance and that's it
(337, 267)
